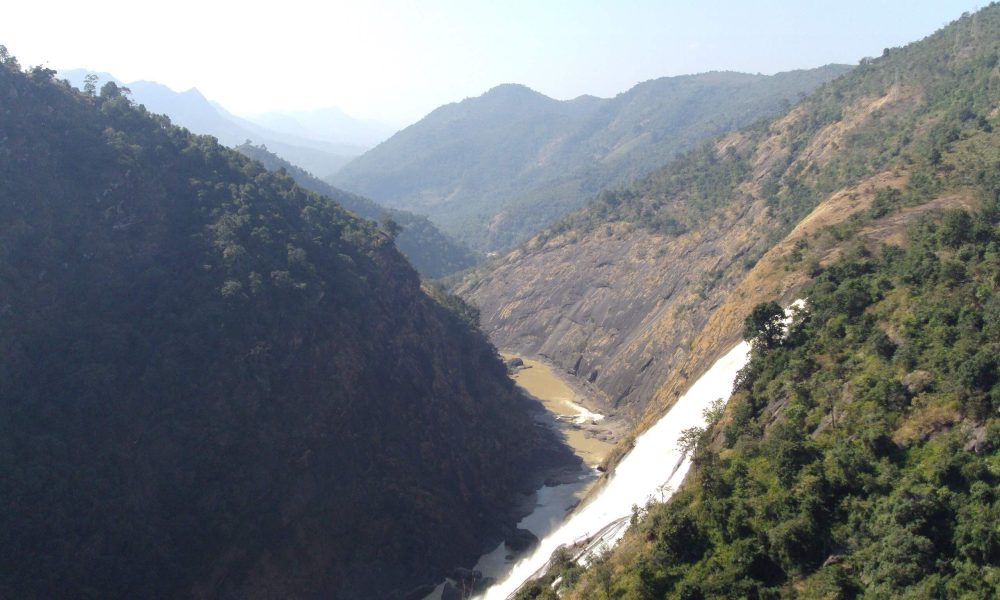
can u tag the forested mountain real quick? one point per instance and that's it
(495, 169)
(857, 457)
(192, 110)
(431, 252)
(216, 384)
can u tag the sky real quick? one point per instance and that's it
(395, 60)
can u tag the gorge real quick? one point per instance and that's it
(544, 356)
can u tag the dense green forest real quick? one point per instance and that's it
(857, 456)
(214, 383)
(494, 170)
(431, 252)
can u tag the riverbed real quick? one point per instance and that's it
(591, 435)
(583, 430)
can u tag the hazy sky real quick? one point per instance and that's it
(396, 60)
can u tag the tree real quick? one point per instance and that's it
(764, 327)
(110, 90)
(90, 84)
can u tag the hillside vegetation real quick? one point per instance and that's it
(215, 383)
(431, 252)
(494, 170)
(857, 455)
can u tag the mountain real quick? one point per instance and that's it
(622, 291)
(431, 252)
(856, 455)
(330, 124)
(192, 110)
(216, 384)
(494, 170)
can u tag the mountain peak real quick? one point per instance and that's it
(492, 170)
(512, 89)
(508, 95)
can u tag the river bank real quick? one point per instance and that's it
(652, 470)
(590, 434)
(564, 409)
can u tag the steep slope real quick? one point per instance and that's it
(217, 384)
(495, 169)
(858, 454)
(431, 252)
(649, 284)
(192, 110)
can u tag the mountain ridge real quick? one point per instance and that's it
(497, 167)
(191, 109)
(432, 253)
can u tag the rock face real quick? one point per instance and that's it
(637, 314)
(520, 540)
(596, 303)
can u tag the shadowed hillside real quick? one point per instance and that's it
(215, 383)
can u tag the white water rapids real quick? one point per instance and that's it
(652, 469)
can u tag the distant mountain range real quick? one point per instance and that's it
(495, 169)
(320, 141)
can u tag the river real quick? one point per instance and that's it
(577, 424)
(582, 430)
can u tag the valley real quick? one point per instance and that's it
(591, 437)
(642, 291)
(651, 471)
(717, 335)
